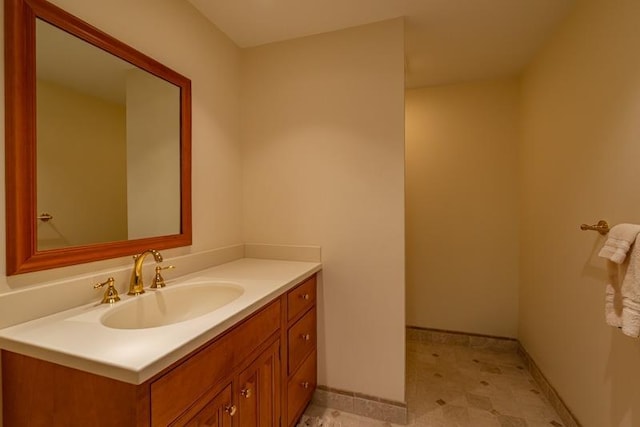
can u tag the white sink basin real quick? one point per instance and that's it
(171, 305)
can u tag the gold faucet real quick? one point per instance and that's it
(136, 286)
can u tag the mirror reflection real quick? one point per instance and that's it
(108, 146)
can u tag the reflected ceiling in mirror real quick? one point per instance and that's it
(98, 144)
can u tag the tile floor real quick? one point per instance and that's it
(452, 385)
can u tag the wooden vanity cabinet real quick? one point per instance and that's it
(256, 402)
(38, 393)
(259, 373)
(219, 362)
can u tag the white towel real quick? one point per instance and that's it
(622, 300)
(613, 296)
(631, 293)
(619, 240)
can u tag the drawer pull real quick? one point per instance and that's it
(305, 337)
(246, 393)
(305, 384)
(305, 297)
(231, 410)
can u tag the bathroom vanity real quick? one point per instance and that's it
(251, 362)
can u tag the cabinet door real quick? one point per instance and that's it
(258, 389)
(217, 413)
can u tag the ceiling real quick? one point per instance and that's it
(446, 41)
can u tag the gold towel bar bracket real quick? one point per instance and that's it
(601, 227)
(44, 217)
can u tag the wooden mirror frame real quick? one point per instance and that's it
(20, 140)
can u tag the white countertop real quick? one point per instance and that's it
(76, 338)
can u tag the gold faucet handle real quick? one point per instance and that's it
(158, 280)
(111, 294)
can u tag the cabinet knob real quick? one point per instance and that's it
(246, 392)
(305, 296)
(231, 410)
(305, 384)
(305, 337)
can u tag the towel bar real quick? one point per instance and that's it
(601, 227)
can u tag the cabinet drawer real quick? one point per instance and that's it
(301, 340)
(174, 392)
(300, 298)
(300, 388)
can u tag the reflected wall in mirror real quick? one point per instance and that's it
(97, 146)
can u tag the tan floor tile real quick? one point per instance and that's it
(534, 423)
(539, 413)
(479, 402)
(450, 385)
(530, 397)
(507, 407)
(508, 421)
(481, 418)
(456, 415)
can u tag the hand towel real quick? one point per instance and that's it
(613, 296)
(631, 293)
(619, 240)
(622, 297)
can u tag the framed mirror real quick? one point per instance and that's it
(97, 144)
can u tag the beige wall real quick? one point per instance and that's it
(581, 145)
(462, 207)
(323, 155)
(81, 168)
